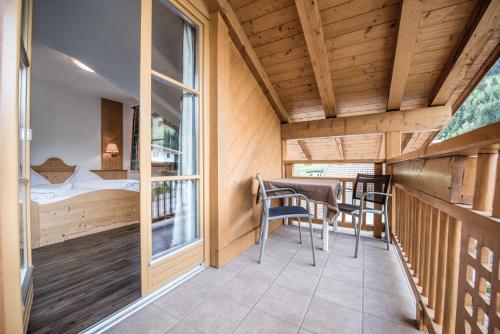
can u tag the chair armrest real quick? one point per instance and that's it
(281, 189)
(290, 196)
(373, 193)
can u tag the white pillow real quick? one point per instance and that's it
(54, 189)
(37, 180)
(82, 175)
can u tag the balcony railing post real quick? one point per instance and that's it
(435, 237)
(452, 268)
(485, 188)
(441, 275)
(496, 195)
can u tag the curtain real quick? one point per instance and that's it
(185, 227)
(134, 154)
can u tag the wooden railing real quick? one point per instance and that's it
(451, 250)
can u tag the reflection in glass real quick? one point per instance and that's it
(173, 44)
(174, 213)
(22, 207)
(174, 130)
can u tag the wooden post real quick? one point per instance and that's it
(485, 185)
(441, 268)
(452, 267)
(434, 258)
(496, 195)
(392, 144)
(377, 219)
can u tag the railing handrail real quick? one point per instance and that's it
(469, 143)
(458, 211)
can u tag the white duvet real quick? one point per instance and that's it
(81, 182)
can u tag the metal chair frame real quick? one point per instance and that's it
(358, 215)
(264, 225)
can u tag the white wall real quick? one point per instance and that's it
(67, 125)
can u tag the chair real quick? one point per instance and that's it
(281, 212)
(368, 188)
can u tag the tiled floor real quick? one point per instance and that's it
(286, 294)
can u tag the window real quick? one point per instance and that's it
(481, 108)
(174, 130)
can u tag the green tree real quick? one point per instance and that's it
(481, 108)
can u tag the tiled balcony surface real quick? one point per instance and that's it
(286, 294)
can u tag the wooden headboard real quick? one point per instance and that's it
(57, 171)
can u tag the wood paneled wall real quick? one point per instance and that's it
(245, 139)
(111, 132)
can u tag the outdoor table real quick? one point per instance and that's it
(324, 191)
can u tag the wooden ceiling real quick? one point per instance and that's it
(381, 54)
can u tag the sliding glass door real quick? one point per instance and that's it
(24, 157)
(170, 142)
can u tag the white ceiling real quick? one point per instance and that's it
(56, 68)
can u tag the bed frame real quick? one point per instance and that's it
(81, 215)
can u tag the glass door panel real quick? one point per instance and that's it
(170, 161)
(175, 215)
(174, 130)
(174, 40)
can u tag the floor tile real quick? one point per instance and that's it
(344, 272)
(212, 278)
(217, 314)
(238, 264)
(182, 328)
(266, 271)
(260, 323)
(325, 317)
(298, 281)
(284, 304)
(385, 282)
(245, 289)
(182, 300)
(389, 307)
(338, 292)
(375, 325)
(149, 320)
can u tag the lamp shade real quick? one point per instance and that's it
(112, 148)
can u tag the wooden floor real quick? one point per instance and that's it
(83, 280)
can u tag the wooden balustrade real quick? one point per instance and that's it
(451, 248)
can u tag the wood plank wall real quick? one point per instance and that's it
(111, 132)
(245, 139)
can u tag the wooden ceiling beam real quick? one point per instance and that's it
(304, 149)
(407, 37)
(423, 119)
(483, 23)
(241, 41)
(313, 33)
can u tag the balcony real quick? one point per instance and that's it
(286, 294)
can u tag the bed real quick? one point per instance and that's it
(68, 207)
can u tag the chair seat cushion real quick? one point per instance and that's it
(287, 211)
(347, 208)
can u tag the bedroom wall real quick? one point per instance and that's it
(67, 124)
(245, 139)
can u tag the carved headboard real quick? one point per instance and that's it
(57, 171)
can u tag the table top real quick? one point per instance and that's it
(318, 190)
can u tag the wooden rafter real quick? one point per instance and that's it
(340, 148)
(241, 41)
(483, 23)
(304, 149)
(407, 36)
(313, 33)
(423, 119)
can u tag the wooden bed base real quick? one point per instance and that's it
(81, 215)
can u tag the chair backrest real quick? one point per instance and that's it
(262, 189)
(378, 183)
